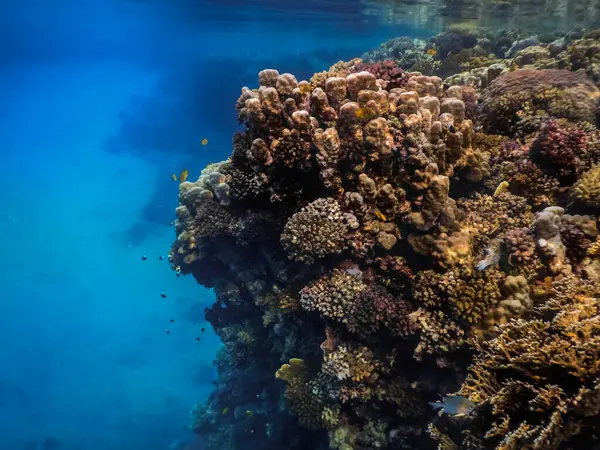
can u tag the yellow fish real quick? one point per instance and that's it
(431, 52)
(380, 215)
(502, 187)
(183, 175)
(224, 411)
(365, 113)
(304, 88)
(174, 177)
(204, 141)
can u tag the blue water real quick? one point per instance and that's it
(100, 102)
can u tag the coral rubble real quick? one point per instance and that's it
(381, 238)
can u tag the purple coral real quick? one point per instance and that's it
(375, 310)
(560, 150)
(388, 71)
(520, 246)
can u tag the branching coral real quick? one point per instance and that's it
(541, 376)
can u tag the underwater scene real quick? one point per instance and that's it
(298, 225)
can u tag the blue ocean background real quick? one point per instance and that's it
(100, 102)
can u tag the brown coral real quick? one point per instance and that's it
(316, 231)
(333, 295)
(541, 376)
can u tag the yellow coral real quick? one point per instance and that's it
(594, 250)
(292, 370)
(587, 189)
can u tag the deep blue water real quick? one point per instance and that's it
(100, 102)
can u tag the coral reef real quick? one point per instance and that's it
(380, 238)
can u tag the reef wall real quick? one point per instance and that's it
(383, 244)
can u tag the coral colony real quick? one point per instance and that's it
(405, 253)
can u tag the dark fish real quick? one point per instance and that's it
(163, 295)
(144, 257)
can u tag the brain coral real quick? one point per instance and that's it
(525, 93)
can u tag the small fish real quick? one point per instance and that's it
(197, 339)
(204, 141)
(174, 177)
(365, 113)
(163, 295)
(167, 331)
(224, 411)
(380, 215)
(304, 88)
(249, 413)
(202, 329)
(502, 187)
(183, 175)
(161, 258)
(454, 405)
(492, 255)
(451, 128)
(431, 52)
(171, 320)
(144, 257)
